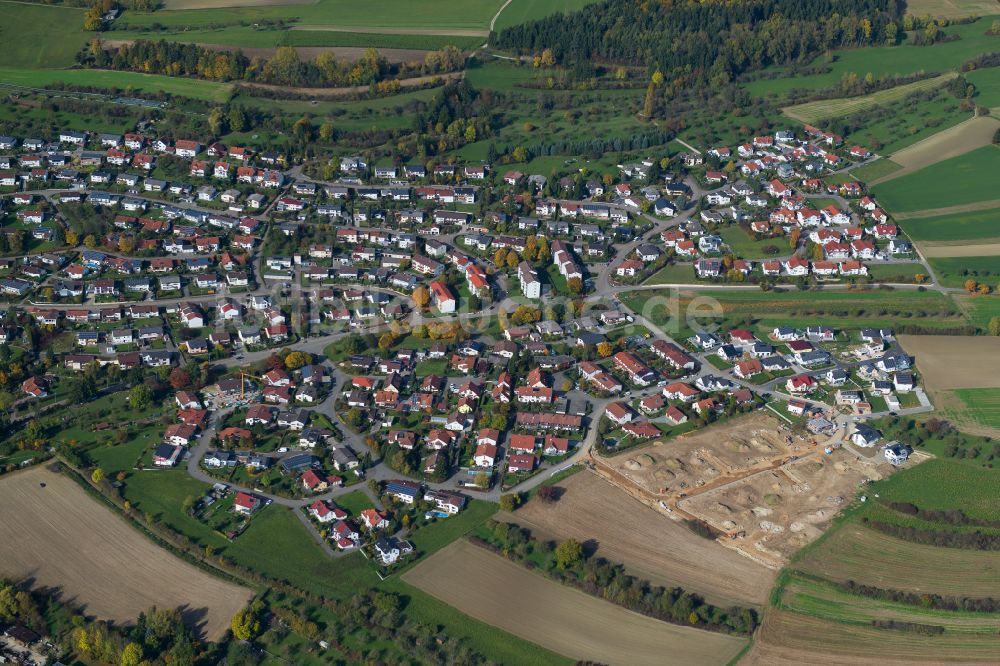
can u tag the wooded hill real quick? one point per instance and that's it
(706, 40)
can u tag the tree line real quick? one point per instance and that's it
(704, 41)
(955, 517)
(923, 599)
(567, 563)
(967, 540)
(283, 68)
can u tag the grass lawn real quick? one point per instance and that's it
(960, 180)
(431, 366)
(744, 245)
(682, 314)
(27, 30)
(674, 274)
(886, 61)
(954, 271)
(113, 458)
(895, 272)
(975, 225)
(877, 169)
(439, 534)
(194, 88)
(276, 544)
(354, 502)
(161, 494)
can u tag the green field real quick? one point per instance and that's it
(942, 484)
(161, 495)
(906, 122)
(896, 272)
(396, 14)
(987, 82)
(843, 309)
(954, 271)
(150, 83)
(521, 11)
(886, 61)
(27, 30)
(744, 245)
(980, 406)
(278, 545)
(674, 274)
(975, 225)
(965, 179)
(814, 112)
(250, 37)
(877, 169)
(980, 309)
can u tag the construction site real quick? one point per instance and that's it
(768, 491)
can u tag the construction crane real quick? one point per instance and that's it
(243, 384)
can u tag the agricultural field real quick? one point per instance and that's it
(787, 638)
(954, 268)
(434, 17)
(681, 313)
(974, 410)
(650, 545)
(26, 32)
(980, 309)
(956, 181)
(958, 228)
(344, 44)
(218, 4)
(115, 572)
(910, 122)
(941, 145)
(942, 484)
(568, 621)
(854, 552)
(815, 112)
(951, 8)
(817, 614)
(950, 362)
